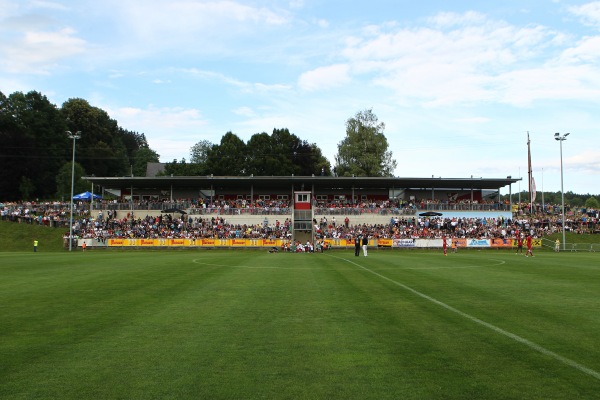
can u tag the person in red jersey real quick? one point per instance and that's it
(529, 244)
(519, 244)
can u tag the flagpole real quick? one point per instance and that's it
(543, 206)
(529, 173)
(519, 208)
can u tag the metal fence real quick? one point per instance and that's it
(571, 247)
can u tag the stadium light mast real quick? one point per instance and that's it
(73, 136)
(562, 191)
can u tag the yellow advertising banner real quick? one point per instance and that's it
(209, 242)
(534, 243)
(176, 242)
(385, 242)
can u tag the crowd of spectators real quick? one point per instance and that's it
(105, 224)
(167, 227)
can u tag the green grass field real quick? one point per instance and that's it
(248, 324)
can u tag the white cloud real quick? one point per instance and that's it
(247, 87)
(452, 19)
(587, 162)
(171, 131)
(322, 23)
(297, 4)
(244, 111)
(469, 58)
(161, 22)
(49, 5)
(324, 77)
(587, 50)
(37, 52)
(473, 120)
(588, 13)
(170, 120)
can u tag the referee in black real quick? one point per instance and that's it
(357, 245)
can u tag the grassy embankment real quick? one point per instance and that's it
(20, 237)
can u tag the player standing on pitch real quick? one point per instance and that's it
(357, 245)
(445, 245)
(519, 244)
(529, 244)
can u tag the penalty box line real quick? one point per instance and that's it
(517, 338)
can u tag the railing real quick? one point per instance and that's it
(465, 207)
(193, 208)
(363, 211)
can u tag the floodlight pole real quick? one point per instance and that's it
(562, 191)
(73, 136)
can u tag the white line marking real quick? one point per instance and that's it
(501, 331)
(195, 261)
(500, 262)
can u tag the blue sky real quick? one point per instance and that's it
(458, 84)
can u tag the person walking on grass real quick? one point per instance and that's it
(519, 244)
(365, 244)
(529, 245)
(357, 246)
(35, 245)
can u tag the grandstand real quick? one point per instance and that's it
(329, 194)
(250, 200)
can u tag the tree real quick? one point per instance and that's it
(364, 150)
(34, 144)
(592, 203)
(26, 188)
(63, 180)
(183, 168)
(141, 158)
(101, 149)
(199, 152)
(283, 153)
(228, 157)
(263, 159)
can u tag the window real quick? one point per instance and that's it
(302, 197)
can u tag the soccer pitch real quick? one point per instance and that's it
(247, 324)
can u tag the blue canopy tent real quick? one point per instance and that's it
(86, 196)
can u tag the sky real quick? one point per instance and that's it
(459, 85)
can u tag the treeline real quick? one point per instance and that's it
(36, 153)
(362, 152)
(572, 200)
(280, 153)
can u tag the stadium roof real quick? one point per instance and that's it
(285, 182)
